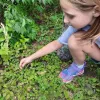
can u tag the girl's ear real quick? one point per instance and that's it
(96, 11)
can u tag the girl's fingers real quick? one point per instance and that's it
(22, 63)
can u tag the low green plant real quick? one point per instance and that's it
(4, 44)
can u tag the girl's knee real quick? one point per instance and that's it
(72, 43)
(74, 40)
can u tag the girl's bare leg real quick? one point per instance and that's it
(78, 49)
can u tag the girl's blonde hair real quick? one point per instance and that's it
(86, 5)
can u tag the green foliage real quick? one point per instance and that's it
(44, 2)
(4, 41)
(20, 24)
(32, 1)
(22, 20)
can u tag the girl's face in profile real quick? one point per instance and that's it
(75, 17)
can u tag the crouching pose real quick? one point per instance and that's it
(82, 36)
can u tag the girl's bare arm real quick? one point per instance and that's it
(52, 46)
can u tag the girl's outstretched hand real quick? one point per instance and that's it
(25, 61)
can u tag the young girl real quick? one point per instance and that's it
(82, 36)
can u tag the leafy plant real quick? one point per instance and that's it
(33, 1)
(20, 24)
(4, 43)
